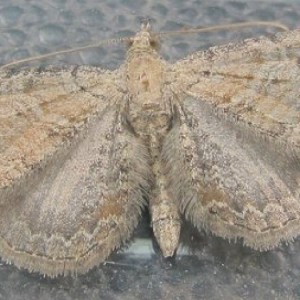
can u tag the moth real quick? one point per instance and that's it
(213, 138)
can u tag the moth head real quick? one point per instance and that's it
(145, 38)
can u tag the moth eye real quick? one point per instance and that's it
(129, 42)
(154, 43)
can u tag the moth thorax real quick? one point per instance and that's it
(149, 119)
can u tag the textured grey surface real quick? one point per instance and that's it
(206, 267)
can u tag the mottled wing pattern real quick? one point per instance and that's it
(72, 175)
(234, 152)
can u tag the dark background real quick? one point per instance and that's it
(206, 267)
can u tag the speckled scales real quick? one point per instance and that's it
(239, 140)
(214, 138)
(84, 195)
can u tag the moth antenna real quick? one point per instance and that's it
(228, 26)
(67, 51)
(147, 26)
